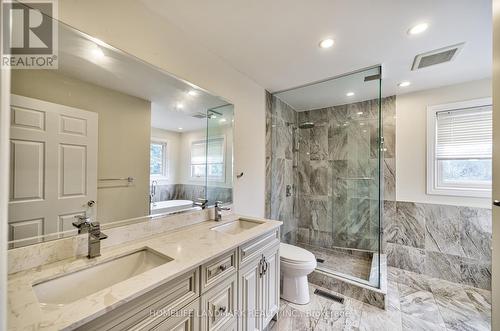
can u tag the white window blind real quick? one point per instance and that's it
(208, 159)
(464, 133)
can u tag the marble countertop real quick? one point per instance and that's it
(189, 246)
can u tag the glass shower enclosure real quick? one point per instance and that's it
(325, 172)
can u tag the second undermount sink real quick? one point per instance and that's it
(237, 226)
(79, 284)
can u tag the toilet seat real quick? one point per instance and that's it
(295, 255)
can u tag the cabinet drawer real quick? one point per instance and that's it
(151, 306)
(253, 248)
(186, 319)
(217, 270)
(219, 305)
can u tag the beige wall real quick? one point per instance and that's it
(411, 110)
(142, 33)
(173, 140)
(124, 136)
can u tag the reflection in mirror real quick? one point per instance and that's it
(111, 138)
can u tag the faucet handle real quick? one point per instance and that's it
(82, 223)
(218, 205)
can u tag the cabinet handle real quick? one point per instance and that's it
(265, 266)
(223, 267)
(261, 267)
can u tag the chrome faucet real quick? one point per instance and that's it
(218, 210)
(95, 237)
(84, 225)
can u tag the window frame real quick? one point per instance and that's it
(435, 186)
(165, 166)
(221, 179)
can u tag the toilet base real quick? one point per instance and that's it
(295, 290)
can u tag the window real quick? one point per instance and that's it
(158, 160)
(459, 148)
(208, 159)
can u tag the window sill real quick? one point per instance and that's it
(460, 192)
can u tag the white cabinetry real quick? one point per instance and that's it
(237, 290)
(259, 283)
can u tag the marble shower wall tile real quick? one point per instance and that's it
(281, 121)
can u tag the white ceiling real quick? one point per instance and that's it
(276, 42)
(124, 73)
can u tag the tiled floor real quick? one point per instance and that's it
(415, 302)
(347, 264)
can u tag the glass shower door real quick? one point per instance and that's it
(334, 146)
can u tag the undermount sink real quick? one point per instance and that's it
(237, 226)
(79, 284)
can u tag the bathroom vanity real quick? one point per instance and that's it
(207, 276)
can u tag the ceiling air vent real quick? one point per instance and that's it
(437, 56)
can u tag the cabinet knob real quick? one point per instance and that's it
(222, 309)
(496, 203)
(222, 267)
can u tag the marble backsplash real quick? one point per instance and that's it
(36, 255)
(193, 192)
(441, 241)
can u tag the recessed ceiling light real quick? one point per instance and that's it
(179, 128)
(179, 105)
(349, 94)
(359, 113)
(326, 43)
(419, 28)
(404, 84)
(192, 93)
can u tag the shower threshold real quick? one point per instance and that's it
(354, 273)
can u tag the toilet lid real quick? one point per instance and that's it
(295, 254)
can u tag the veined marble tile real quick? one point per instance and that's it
(475, 234)
(443, 266)
(475, 273)
(419, 304)
(457, 310)
(319, 143)
(405, 257)
(442, 224)
(319, 177)
(408, 227)
(410, 322)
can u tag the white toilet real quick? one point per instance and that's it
(295, 263)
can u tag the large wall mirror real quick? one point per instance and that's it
(113, 138)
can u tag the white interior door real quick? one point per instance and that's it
(53, 169)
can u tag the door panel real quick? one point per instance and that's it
(27, 170)
(250, 296)
(271, 285)
(53, 166)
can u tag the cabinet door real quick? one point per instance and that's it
(219, 305)
(271, 285)
(250, 296)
